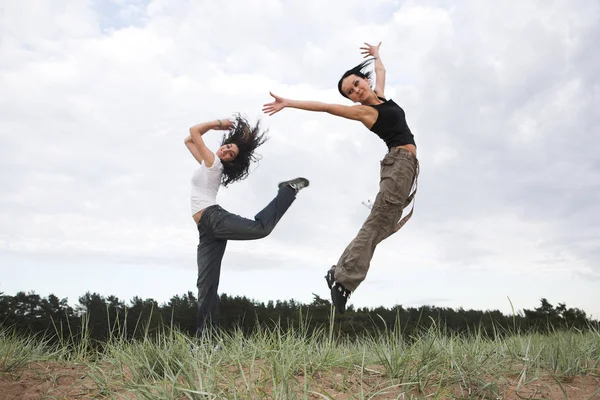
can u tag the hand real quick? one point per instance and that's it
(225, 125)
(279, 104)
(370, 50)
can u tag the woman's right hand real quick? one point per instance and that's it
(370, 50)
(275, 106)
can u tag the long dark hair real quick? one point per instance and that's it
(360, 70)
(247, 138)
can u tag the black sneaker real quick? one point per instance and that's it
(296, 184)
(339, 294)
(330, 278)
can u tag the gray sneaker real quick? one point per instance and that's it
(296, 184)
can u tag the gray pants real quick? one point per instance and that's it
(216, 227)
(399, 170)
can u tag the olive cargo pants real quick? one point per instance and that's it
(398, 175)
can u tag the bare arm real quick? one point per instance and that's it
(189, 143)
(367, 115)
(370, 50)
(379, 78)
(196, 145)
(349, 112)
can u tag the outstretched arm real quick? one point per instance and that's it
(373, 51)
(196, 145)
(367, 115)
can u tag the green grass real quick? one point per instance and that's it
(277, 364)
(17, 351)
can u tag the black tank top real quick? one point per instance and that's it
(391, 124)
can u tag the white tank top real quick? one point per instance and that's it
(205, 185)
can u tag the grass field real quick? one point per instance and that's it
(273, 364)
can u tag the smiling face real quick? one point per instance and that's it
(228, 152)
(356, 88)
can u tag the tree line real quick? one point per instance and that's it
(100, 318)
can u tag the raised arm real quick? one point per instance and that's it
(196, 145)
(367, 115)
(373, 51)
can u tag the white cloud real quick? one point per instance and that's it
(97, 98)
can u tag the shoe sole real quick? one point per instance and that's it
(304, 180)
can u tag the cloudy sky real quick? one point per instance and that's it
(503, 98)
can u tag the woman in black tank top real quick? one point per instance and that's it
(398, 174)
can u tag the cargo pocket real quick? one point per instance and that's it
(389, 182)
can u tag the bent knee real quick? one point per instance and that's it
(263, 233)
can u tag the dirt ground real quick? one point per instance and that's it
(71, 381)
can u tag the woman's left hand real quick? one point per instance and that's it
(370, 50)
(279, 104)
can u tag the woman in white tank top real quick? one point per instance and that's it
(229, 164)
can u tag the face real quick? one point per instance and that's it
(356, 88)
(228, 152)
